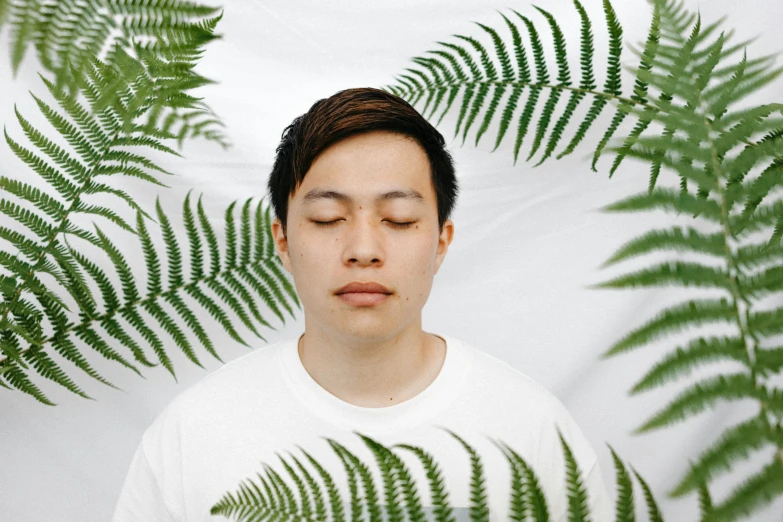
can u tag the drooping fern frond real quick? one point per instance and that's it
(70, 35)
(734, 157)
(247, 267)
(259, 501)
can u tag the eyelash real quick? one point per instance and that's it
(393, 224)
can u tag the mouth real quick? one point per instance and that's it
(363, 298)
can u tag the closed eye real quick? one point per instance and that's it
(393, 223)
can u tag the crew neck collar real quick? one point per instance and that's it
(412, 412)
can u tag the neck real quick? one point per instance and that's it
(373, 373)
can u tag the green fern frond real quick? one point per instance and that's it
(757, 491)
(520, 506)
(13, 375)
(335, 502)
(653, 511)
(542, 77)
(613, 84)
(399, 474)
(318, 499)
(577, 496)
(754, 191)
(769, 360)
(705, 502)
(680, 273)
(253, 276)
(153, 83)
(272, 497)
(91, 337)
(625, 504)
(354, 475)
(668, 200)
(680, 66)
(673, 319)
(479, 507)
(683, 360)
(389, 478)
(640, 88)
(284, 492)
(767, 281)
(4, 9)
(500, 89)
(736, 443)
(700, 396)
(68, 36)
(711, 136)
(438, 493)
(112, 302)
(435, 79)
(676, 238)
(491, 76)
(766, 323)
(563, 78)
(588, 81)
(73, 178)
(49, 369)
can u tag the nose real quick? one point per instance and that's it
(364, 242)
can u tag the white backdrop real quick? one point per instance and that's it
(527, 243)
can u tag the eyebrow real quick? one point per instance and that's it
(320, 194)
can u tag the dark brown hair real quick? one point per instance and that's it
(347, 113)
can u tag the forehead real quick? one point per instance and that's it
(376, 150)
(377, 167)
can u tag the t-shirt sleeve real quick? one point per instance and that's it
(140, 498)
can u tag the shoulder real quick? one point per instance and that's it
(517, 386)
(516, 398)
(244, 374)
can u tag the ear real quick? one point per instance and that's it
(281, 244)
(443, 243)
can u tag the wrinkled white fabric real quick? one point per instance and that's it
(265, 406)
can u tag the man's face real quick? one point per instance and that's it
(363, 244)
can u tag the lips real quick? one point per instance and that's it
(358, 287)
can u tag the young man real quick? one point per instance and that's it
(362, 188)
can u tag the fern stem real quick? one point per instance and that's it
(736, 292)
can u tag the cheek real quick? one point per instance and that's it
(420, 258)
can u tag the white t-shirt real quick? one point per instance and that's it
(262, 407)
